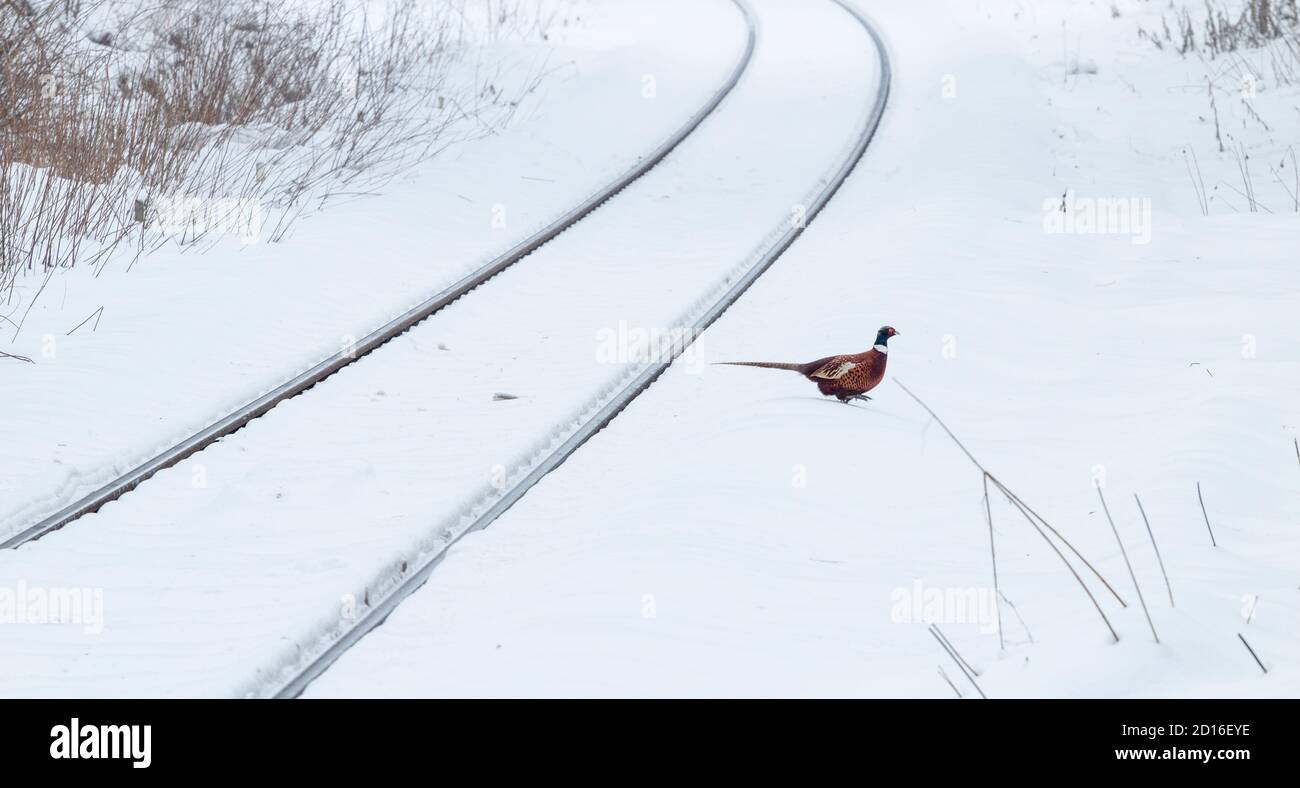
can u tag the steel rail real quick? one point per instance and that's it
(397, 326)
(293, 682)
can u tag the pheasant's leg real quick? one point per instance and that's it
(862, 397)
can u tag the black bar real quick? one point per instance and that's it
(998, 739)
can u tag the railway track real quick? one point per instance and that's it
(291, 681)
(381, 336)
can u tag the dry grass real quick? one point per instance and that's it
(121, 124)
(1247, 46)
(1224, 28)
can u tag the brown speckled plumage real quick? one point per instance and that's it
(845, 377)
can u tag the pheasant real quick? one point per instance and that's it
(846, 377)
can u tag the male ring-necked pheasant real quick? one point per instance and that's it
(847, 377)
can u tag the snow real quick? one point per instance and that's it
(301, 512)
(732, 533)
(185, 338)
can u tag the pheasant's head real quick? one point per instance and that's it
(883, 335)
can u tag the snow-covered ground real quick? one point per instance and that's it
(272, 534)
(731, 532)
(185, 338)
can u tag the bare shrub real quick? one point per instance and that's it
(1223, 27)
(112, 114)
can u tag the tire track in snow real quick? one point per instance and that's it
(291, 680)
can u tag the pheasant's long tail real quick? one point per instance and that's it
(764, 365)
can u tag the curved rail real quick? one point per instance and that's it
(386, 333)
(293, 682)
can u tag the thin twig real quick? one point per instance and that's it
(1206, 516)
(969, 666)
(997, 603)
(1252, 653)
(1161, 561)
(944, 673)
(1014, 498)
(1205, 203)
(16, 357)
(957, 659)
(1200, 196)
(1067, 563)
(1028, 515)
(1064, 541)
(1133, 575)
(94, 314)
(1019, 618)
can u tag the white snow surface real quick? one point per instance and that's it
(185, 338)
(219, 582)
(732, 533)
